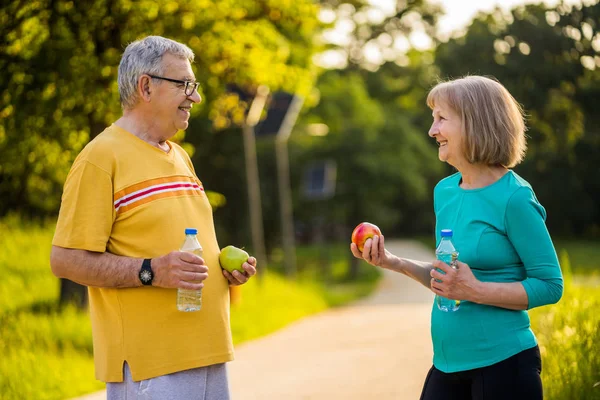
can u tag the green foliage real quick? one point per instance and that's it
(58, 87)
(369, 28)
(568, 335)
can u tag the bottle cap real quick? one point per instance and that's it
(446, 232)
(191, 231)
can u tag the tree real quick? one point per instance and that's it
(376, 34)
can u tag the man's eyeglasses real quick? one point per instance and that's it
(190, 87)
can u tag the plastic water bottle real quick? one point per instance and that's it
(446, 253)
(190, 300)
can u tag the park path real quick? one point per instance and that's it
(378, 348)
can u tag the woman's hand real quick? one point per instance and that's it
(456, 284)
(374, 251)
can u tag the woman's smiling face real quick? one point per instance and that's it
(448, 133)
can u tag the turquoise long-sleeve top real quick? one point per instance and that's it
(500, 232)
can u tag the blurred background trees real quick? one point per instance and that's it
(363, 68)
(58, 90)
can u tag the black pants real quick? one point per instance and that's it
(515, 378)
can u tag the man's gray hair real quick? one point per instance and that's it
(144, 56)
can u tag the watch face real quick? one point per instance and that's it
(145, 276)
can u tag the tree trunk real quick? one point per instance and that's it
(73, 293)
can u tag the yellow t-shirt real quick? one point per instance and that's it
(129, 198)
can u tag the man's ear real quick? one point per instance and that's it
(145, 87)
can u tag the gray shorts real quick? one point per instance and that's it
(206, 383)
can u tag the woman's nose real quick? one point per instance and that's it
(433, 130)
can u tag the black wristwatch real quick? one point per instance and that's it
(146, 274)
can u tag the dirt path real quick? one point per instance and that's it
(378, 348)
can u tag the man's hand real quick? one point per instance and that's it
(179, 269)
(238, 278)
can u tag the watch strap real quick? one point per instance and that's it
(146, 274)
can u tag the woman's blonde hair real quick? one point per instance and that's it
(492, 120)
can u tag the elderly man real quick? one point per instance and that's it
(128, 198)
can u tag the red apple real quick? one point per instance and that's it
(362, 232)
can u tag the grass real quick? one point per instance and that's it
(26, 276)
(584, 255)
(47, 351)
(568, 335)
(277, 300)
(47, 354)
(326, 266)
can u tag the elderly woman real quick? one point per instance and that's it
(507, 262)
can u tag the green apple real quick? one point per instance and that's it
(232, 258)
